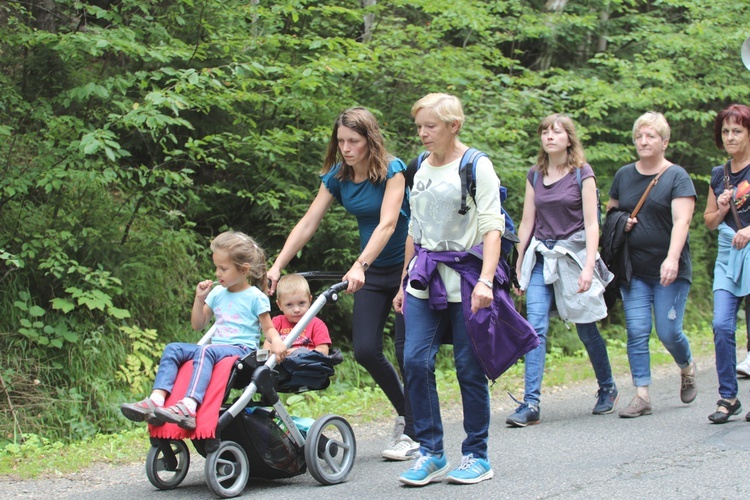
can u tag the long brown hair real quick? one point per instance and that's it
(365, 124)
(576, 156)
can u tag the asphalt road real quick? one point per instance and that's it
(674, 453)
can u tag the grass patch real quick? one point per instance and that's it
(38, 457)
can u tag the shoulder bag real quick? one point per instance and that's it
(728, 185)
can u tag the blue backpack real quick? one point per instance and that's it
(468, 171)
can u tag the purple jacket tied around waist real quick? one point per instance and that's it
(499, 335)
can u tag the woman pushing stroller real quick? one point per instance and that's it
(361, 175)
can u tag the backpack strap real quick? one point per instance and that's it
(413, 166)
(468, 171)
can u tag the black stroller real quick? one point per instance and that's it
(257, 437)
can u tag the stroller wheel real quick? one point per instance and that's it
(167, 464)
(227, 470)
(330, 449)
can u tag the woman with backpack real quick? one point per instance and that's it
(659, 249)
(436, 308)
(359, 173)
(560, 269)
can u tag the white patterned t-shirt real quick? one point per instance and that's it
(436, 224)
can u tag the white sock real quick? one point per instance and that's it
(158, 399)
(190, 404)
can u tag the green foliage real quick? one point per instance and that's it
(140, 367)
(133, 131)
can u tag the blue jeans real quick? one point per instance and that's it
(204, 358)
(424, 332)
(726, 305)
(539, 300)
(639, 298)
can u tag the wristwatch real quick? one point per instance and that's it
(364, 264)
(485, 282)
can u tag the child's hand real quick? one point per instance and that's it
(278, 347)
(203, 289)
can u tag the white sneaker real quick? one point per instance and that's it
(404, 448)
(743, 368)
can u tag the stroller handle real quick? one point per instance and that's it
(335, 289)
(329, 296)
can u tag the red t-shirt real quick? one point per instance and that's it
(314, 335)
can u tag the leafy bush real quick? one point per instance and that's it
(132, 132)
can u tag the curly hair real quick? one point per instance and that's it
(654, 120)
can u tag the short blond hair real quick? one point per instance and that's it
(654, 120)
(447, 107)
(292, 283)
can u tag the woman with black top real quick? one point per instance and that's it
(728, 210)
(660, 256)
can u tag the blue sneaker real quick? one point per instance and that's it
(426, 469)
(606, 400)
(526, 414)
(472, 470)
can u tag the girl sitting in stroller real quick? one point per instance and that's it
(242, 310)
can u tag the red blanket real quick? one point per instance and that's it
(207, 415)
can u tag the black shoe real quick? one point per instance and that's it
(526, 414)
(719, 417)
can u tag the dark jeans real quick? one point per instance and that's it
(372, 306)
(427, 328)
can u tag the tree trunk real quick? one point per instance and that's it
(545, 59)
(369, 20)
(601, 46)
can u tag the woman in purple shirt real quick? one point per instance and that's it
(560, 217)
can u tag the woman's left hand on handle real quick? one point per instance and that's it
(355, 277)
